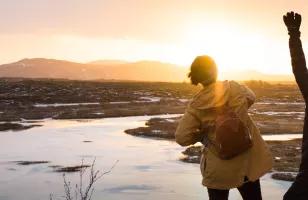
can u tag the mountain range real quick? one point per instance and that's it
(116, 70)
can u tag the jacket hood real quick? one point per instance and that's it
(212, 96)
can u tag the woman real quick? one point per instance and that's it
(299, 189)
(220, 175)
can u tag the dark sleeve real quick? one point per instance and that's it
(299, 64)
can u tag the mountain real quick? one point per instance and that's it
(108, 62)
(255, 75)
(117, 70)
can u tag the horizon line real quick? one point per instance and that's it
(136, 61)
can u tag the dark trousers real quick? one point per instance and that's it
(249, 191)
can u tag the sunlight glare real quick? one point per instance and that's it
(230, 46)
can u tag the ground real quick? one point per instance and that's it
(279, 108)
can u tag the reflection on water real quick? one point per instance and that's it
(147, 169)
(137, 189)
(279, 103)
(281, 113)
(63, 104)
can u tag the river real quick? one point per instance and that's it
(147, 169)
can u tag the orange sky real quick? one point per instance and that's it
(239, 34)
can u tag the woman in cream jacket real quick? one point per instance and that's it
(244, 170)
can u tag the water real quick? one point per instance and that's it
(147, 169)
(273, 113)
(282, 137)
(63, 104)
(280, 103)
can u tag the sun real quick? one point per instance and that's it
(232, 47)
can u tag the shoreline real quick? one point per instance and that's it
(286, 154)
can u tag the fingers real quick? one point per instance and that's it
(288, 18)
(298, 18)
(285, 18)
(292, 19)
(292, 15)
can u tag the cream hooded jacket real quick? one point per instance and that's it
(218, 173)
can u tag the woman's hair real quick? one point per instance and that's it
(203, 70)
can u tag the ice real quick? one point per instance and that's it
(184, 100)
(281, 103)
(280, 113)
(282, 137)
(119, 102)
(151, 99)
(63, 104)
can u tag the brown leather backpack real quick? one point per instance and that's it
(232, 135)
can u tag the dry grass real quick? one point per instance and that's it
(82, 190)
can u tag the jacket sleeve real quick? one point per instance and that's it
(250, 95)
(299, 63)
(187, 132)
(245, 92)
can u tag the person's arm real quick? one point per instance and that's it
(250, 95)
(244, 91)
(293, 21)
(188, 129)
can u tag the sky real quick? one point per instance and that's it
(238, 34)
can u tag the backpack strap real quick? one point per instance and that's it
(218, 111)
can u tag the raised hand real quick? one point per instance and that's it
(293, 22)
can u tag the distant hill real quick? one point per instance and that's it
(116, 70)
(255, 75)
(108, 62)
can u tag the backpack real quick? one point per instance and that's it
(232, 135)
